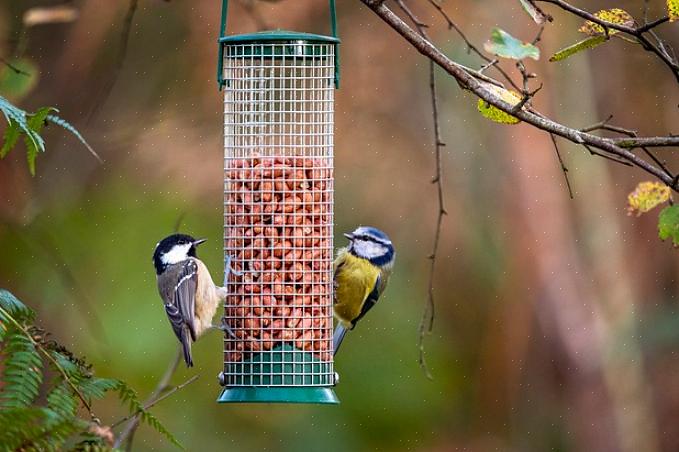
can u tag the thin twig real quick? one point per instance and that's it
(429, 313)
(152, 403)
(127, 434)
(606, 156)
(490, 62)
(564, 169)
(15, 69)
(604, 125)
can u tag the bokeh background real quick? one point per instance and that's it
(557, 324)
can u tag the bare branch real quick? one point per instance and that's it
(564, 169)
(637, 32)
(604, 125)
(13, 68)
(468, 82)
(429, 313)
(653, 142)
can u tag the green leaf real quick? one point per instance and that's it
(505, 45)
(588, 43)
(673, 10)
(10, 137)
(668, 224)
(34, 142)
(17, 85)
(535, 13)
(30, 125)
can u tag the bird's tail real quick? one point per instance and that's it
(338, 337)
(186, 347)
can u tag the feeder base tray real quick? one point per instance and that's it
(318, 395)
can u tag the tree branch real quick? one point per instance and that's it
(637, 32)
(469, 82)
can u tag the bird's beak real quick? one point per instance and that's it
(198, 242)
(349, 235)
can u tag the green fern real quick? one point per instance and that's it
(29, 125)
(68, 127)
(129, 396)
(22, 374)
(26, 424)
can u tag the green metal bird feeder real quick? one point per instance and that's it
(278, 214)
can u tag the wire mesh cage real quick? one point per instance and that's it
(278, 216)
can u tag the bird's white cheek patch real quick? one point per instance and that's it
(177, 254)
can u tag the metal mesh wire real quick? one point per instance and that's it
(278, 215)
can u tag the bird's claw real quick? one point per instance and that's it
(225, 328)
(228, 269)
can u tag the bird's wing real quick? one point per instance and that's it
(339, 262)
(371, 299)
(181, 307)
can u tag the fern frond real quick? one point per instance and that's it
(18, 424)
(64, 124)
(22, 374)
(97, 387)
(14, 307)
(20, 119)
(129, 396)
(62, 402)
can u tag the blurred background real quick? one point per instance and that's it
(557, 325)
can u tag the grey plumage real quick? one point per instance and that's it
(179, 282)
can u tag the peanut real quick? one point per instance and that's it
(278, 213)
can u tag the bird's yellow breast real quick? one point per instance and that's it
(354, 280)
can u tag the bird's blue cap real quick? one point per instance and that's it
(370, 232)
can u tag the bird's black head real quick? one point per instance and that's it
(174, 249)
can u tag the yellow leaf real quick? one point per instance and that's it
(647, 196)
(615, 16)
(673, 10)
(493, 113)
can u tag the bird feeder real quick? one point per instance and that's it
(278, 214)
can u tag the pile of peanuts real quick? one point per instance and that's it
(278, 213)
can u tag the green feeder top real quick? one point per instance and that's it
(280, 36)
(294, 43)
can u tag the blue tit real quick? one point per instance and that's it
(362, 270)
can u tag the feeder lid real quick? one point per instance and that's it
(281, 36)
